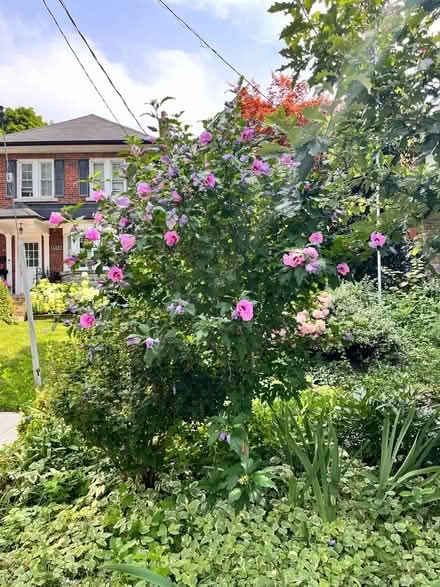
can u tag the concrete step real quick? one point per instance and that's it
(20, 307)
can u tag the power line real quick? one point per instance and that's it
(100, 64)
(206, 44)
(124, 130)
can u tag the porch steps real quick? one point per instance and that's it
(20, 308)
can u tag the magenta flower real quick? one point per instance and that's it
(93, 235)
(343, 269)
(143, 188)
(248, 134)
(56, 218)
(123, 222)
(99, 195)
(210, 181)
(171, 238)
(176, 197)
(115, 274)
(294, 258)
(289, 161)
(87, 320)
(316, 238)
(377, 239)
(123, 202)
(260, 167)
(150, 342)
(98, 217)
(205, 138)
(245, 310)
(70, 261)
(310, 254)
(127, 241)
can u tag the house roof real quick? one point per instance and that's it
(86, 130)
(21, 211)
(42, 210)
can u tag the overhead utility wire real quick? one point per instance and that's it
(206, 44)
(124, 130)
(100, 64)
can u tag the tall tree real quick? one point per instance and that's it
(22, 118)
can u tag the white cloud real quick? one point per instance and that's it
(37, 69)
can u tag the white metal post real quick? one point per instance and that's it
(379, 257)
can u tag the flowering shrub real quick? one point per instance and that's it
(6, 305)
(56, 298)
(216, 246)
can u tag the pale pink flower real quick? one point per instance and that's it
(316, 238)
(310, 254)
(176, 197)
(377, 239)
(127, 241)
(171, 238)
(98, 195)
(302, 317)
(87, 320)
(325, 312)
(343, 269)
(115, 274)
(320, 327)
(325, 299)
(93, 234)
(205, 138)
(245, 310)
(70, 261)
(143, 188)
(308, 328)
(98, 217)
(318, 314)
(56, 218)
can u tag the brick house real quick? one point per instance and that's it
(45, 166)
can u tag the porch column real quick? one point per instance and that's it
(46, 258)
(9, 257)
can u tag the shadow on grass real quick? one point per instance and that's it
(17, 388)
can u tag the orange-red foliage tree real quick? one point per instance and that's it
(254, 107)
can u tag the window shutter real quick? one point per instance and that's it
(83, 174)
(11, 187)
(59, 177)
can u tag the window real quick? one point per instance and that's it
(108, 177)
(32, 254)
(75, 244)
(36, 179)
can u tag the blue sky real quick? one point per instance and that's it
(147, 52)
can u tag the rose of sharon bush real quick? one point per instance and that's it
(233, 221)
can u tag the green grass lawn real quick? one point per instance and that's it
(16, 379)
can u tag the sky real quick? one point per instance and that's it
(145, 50)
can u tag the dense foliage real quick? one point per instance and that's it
(57, 298)
(21, 118)
(7, 310)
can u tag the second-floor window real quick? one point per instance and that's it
(35, 179)
(108, 177)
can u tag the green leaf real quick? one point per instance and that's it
(153, 578)
(234, 495)
(272, 149)
(313, 114)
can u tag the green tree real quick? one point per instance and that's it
(22, 118)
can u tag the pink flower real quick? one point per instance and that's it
(205, 138)
(318, 314)
(325, 299)
(123, 202)
(93, 235)
(302, 317)
(6, 283)
(316, 238)
(310, 254)
(343, 269)
(176, 197)
(210, 181)
(377, 239)
(70, 261)
(143, 188)
(288, 161)
(123, 222)
(248, 134)
(245, 310)
(324, 312)
(320, 327)
(98, 217)
(260, 167)
(127, 241)
(56, 218)
(99, 195)
(148, 217)
(115, 274)
(171, 238)
(87, 320)
(307, 328)
(295, 258)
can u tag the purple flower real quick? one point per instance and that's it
(228, 156)
(124, 222)
(209, 181)
(260, 167)
(205, 138)
(223, 436)
(149, 208)
(235, 316)
(133, 340)
(331, 543)
(123, 202)
(393, 250)
(183, 220)
(165, 159)
(179, 309)
(173, 171)
(248, 134)
(163, 202)
(244, 158)
(312, 267)
(377, 239)
(150, 342)
(348, 336)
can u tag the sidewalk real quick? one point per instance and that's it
(8, 427)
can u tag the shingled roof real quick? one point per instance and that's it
(86, 130)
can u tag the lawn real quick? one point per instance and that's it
(16, 379)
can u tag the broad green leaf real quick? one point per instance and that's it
(234, 495)
(313, 114)
(153, 578)
(272, 149)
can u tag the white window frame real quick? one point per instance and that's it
(36, 179)
(108, 173)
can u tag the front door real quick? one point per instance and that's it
(32, 252)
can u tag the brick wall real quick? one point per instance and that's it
(2, 245)
(71, 185)
(56, 254)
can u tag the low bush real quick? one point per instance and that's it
(55, 298)
(7, 310)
